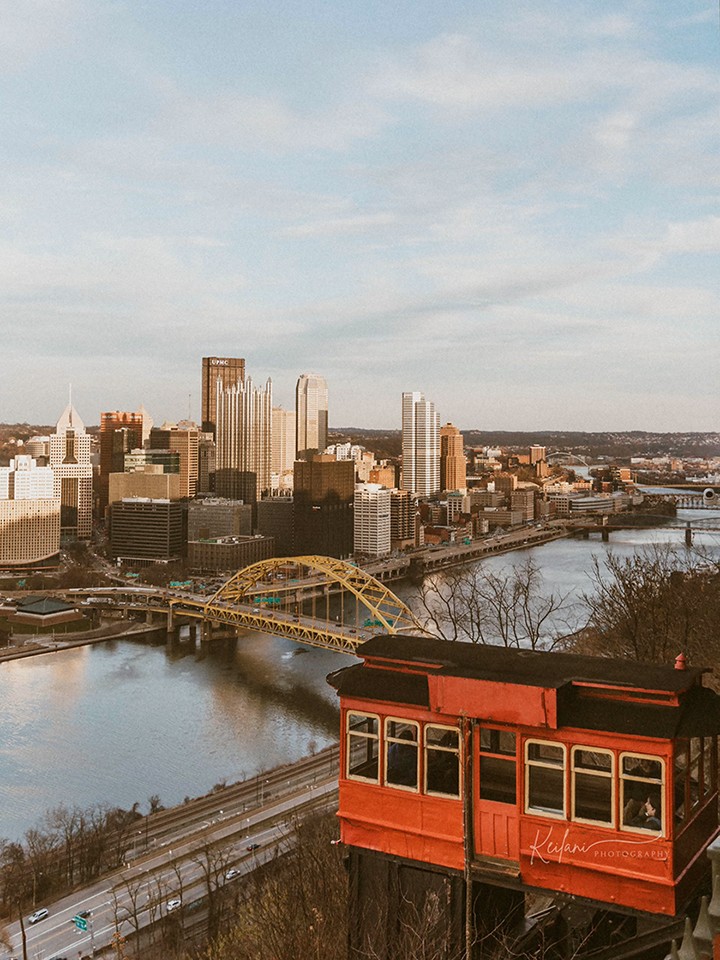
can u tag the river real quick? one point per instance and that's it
(118, 722)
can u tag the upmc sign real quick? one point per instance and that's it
(217, 362)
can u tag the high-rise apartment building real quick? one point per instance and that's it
(120, 432)
(243, 440)
(228, 372)
(420, 445)
(311, 411)
(372, 520)
(452, 459)
(69, 456)
(29, 514)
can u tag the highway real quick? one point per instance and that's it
(182, 855)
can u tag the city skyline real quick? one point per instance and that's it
(513, 211)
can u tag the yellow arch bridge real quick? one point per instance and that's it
(314, 600)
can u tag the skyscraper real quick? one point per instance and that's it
(311, 412)
(371, 517)
(183, 440)
(420, 445)
(283, 440)
(73, 475)
(243, 440)
(452, 459)
(228, 371)
(120, 432)
(323, 490)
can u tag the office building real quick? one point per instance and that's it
(206, 463)
(228, 554)
(452, 459)
(216, 518)
(402, 519)
(324, 489)
(120, 432)
(371, 522)
(537, 453)
(226, 371)
(183, 440)
(243, 440)
(311, 410)
(283, 443)
(148, 482)
(523, 499)
(420, 445)
(276, 519)
(29, 515)
(145, 531)
(70, 461)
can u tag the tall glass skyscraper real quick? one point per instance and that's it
(420, 445)
(73, 475)
(228, 371)
(311, 412)
(244, 440)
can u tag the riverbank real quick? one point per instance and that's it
(39, 643)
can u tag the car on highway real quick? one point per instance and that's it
(83, 913)
(173, 904)
(251, 847)
(38, 915)
(232, 873)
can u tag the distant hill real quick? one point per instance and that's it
(630, 443)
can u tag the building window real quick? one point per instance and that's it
(695, 775)
(363, 742)
(592, 785)
(401, 754)
(442, 760)
(545, 778)
(498, 766)
(642, 780)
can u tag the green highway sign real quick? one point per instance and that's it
(80, 923)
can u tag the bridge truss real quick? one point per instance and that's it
(313, 600)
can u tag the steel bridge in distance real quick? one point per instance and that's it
(314, 600)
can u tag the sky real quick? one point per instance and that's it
(510, 206)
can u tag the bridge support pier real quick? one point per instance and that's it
(605, 535)
(688, 534)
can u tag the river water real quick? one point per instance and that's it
(118, 722)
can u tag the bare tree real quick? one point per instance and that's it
(652, 606)
(510, 608)
(213, 862)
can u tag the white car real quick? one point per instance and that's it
(232, 873)
(38, 915)
(173, 904)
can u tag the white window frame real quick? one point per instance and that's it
(388, 740)
(365, 736)
(455, 751)
(658, 785)
(603, 774)
(542, 811)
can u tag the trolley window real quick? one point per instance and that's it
(592, 785)
(442, 760)
(363, 742)
(498, 766)
(545, 778)
(695, 775)
(642, 780)
(401, 753)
